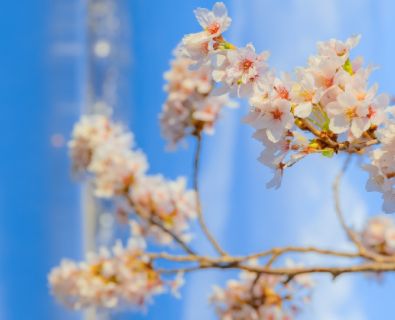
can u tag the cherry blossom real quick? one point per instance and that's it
(118, 279)
(382, 168)
(103, 149)
(265, 297)
(240, 70)
(155, 198)
(118, 172)
(90, 132)
(379, 235)
(214, 23)
(190, 107)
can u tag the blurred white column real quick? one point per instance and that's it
(108, 58)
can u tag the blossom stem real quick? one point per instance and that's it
(202, 222)
(340, 215)
(177, 239)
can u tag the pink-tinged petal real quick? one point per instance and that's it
(219, 60)
(347, 100)
(233, 56)
(339, 124)
(383, 100)
(194, 39)
(202, 16)
(359, 125)
(275, 133)
(218, 75)
(352, 42)
(330, 95)
(250, 117)
(264, 56)
(219, 9)
(275, 182)
(334, 108)
(303, 110)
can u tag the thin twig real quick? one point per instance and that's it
(203, 225)
(282, 250)
(151, 219)
(172, 234)
(339, 213)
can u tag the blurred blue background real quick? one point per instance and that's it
(45, 84)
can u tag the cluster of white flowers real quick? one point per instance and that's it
(379, 235)
(262, 299)
(121, 278)
(330, 95)
(328, 100)
(166, 201)
(198, 46)
(382, 167)
(103, 149)
(190, 107)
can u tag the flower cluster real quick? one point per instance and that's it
(329, 99)
(324, 107)
(198, 46)
(167, 202)
(121, 278)
(379, 235)
(266, 297)
(102, 148)
(382, 168)
(190, 107)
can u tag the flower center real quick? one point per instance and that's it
(351, 112)
(246, 64)
(277, 114)
(371, 112)
(306, 95)
(213, 28)
(282, 92)
(328, 82)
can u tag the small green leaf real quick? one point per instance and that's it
(348, 67)
(328, 152)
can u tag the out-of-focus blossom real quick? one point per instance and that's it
(382, 167)
(379, 235)
(122, 278)
(264, 298)
(119, 172)
(168, 202)
(190, 107)
(103, 149)
(91, 132)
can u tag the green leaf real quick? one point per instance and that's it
(348, 67)
(328, 152)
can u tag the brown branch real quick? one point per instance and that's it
(280, 251)
(346, 146)
(203, 225)
(290, 273)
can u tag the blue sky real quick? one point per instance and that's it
(42, 93)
